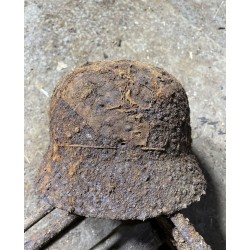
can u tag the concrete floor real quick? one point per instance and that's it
(187, 38)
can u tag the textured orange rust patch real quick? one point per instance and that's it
(48, 168)
(73, 168)
(56, 156)
(71, 201)
(155, 85)
(76, 129)
(160, 93)
(68, 134)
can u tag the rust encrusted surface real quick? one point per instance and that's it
(120, 144)
(185, 235)
(178, 233)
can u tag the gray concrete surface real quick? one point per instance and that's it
(187, 38)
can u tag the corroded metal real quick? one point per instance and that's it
(179, 234)
(120, 144)
(175, 233)
(185, 235)
(45, 230)
(39, 215)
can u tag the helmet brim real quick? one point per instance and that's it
(130, 189)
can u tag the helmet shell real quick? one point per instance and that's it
(120, 143)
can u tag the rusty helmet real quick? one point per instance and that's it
(120, 143)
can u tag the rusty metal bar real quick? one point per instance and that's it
(40, 215)
(43, 232)
(175, 232)
(180, 234)
(185, 234)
